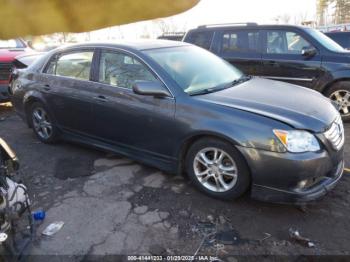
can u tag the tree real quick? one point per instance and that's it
(285, 18)
(322, 5)
(342, 11)
(300, 18)
(169, 25)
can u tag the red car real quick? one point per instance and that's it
(9, 49)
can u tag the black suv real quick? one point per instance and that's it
(295, 54)
(342, 38)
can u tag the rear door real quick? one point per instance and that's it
(282, 58)
(126, 119)
(67, 89)
(241, 48)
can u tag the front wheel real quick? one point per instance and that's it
(340, 94)
(217, 169)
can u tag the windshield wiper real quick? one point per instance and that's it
(215, 89)
(204, 91)
(240, 80)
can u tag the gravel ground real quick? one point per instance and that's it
(115, 206)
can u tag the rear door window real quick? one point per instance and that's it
(243, 41)
(202, 39)
(75, 65)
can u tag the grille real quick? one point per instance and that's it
(335, 134)
(5, 71)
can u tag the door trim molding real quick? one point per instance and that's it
(289, 78)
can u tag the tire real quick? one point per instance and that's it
(46, 131)
(208, 177)
(340, 93)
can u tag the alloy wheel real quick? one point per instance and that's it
(41, 123)
(342, 99)
(215, 169)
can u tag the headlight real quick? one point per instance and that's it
(297, 141)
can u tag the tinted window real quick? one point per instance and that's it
(240, 41)
(118, 69)
(284, 42)
(202, 39)
(341, 38)
(74, 65)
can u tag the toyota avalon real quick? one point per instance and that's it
(182, 109)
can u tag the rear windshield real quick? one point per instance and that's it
(13, 43)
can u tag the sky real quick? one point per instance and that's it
(219, 11)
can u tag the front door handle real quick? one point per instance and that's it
(101, 98)
(271, 63)
(47, 87)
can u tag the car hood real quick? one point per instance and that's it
(294, 105)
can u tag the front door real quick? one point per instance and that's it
(124, 118)
(283, 60)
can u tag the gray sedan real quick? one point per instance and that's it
(184, 110)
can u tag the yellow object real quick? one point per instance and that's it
(347, 169)
(39, 17)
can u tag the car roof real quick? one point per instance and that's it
(246, 26)
(338, 32)
(136, 45)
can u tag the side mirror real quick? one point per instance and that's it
(150, 88)
(308, 52)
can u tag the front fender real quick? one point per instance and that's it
(239, 128)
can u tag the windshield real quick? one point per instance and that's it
(13, 43)
(326, 41)
(195, 69)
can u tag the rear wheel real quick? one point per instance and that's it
(217, 169)
(340, 94)
(42, 123)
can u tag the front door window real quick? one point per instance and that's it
(119, 69)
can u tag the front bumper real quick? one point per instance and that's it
(4, 93)
(293, 178)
